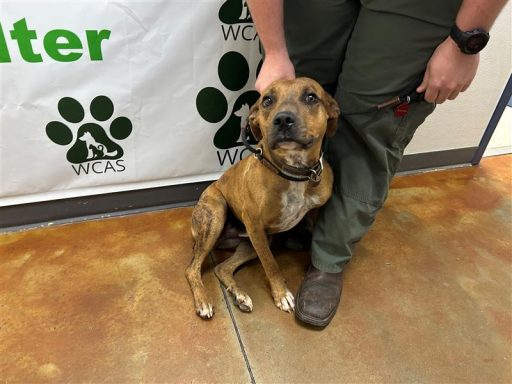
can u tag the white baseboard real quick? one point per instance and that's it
(498, 151)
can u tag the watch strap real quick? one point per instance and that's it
(458, 36)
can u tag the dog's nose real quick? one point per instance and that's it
(284, 120)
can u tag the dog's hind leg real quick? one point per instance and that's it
(225, 271)
(208, 220)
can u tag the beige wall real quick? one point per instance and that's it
(461, 123)
(501, 141)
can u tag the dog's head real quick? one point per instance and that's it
(86, 136)
(291, 118)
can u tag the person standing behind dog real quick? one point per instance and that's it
(365, 52)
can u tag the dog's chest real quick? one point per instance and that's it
(294, 205)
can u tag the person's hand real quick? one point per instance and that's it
(275, 67)
(449, 72)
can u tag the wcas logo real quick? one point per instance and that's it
(90, 148)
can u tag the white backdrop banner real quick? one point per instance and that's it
(107, 96)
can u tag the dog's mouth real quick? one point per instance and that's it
(290, 142)
(287, 144)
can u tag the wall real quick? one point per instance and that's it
(460, 123)
(181, 72)
(501, 140)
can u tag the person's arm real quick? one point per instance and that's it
(449, 71)
(268, 18)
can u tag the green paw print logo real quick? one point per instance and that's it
(212, 105)
(91, 142)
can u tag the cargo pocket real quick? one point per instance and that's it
(409, 123)
(361, 153)
(406, 127)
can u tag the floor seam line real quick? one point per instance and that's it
(235, 326)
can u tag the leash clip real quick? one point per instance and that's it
(258, 154)
(315, 175)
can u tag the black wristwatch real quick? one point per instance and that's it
(469, 42)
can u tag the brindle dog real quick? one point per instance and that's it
(290, 120)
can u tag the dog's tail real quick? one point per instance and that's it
(113, 153)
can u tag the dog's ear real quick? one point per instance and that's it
(253, 121)
(333, 112)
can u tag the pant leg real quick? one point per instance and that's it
(385, 54)
(317, 32)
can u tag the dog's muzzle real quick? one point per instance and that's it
(287, 129)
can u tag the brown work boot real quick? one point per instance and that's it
(318, 297)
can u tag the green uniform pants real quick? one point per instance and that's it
(364, 52)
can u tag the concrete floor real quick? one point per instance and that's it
(427, 299)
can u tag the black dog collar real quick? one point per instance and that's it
(286, 171)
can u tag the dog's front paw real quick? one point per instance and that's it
(285, 302)
(204, 311)
(243, 301)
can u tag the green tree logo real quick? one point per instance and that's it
(91, 142)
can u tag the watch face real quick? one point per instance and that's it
(476, 43)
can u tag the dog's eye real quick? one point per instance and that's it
(267, 101)
(311, 98)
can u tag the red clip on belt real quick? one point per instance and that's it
(401, 109)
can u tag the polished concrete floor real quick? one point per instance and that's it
(427, 299)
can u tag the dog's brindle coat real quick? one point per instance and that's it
(290, 119)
